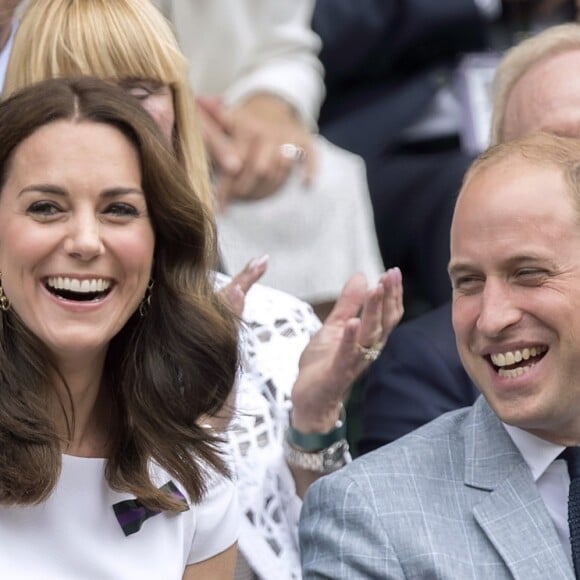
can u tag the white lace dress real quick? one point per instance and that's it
(277, 329)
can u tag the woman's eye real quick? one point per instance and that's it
(140, 93)
(143, 89)
(119, 209)
(44, 209)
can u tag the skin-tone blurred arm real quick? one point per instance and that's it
(7, 9)
(217, 135)
(543, 6)
(546, 7)
(536, 9)
(220, 567)
(332, 360)
(244, 145)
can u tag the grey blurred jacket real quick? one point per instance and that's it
(452, 500)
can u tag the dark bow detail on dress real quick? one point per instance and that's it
(131, 513)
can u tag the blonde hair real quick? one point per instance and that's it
(112, 40)
(519, 59)
(542, 149)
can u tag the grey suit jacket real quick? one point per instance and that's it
(454, 499)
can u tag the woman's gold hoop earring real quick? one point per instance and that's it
(4, 302)
(146, 302)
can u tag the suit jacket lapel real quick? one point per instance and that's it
(513, 515)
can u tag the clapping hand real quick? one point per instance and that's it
(234, 292)
(343, 348)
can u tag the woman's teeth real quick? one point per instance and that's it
(75, 289)
(76, 285)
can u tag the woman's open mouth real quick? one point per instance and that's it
(85, 290)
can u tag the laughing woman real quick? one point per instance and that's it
(288, 358)
(112, 346)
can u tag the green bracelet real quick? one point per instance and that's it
(317, 441)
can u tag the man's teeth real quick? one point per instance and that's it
(503, 359)
(76, 285)
(512, 373)
(506, 359)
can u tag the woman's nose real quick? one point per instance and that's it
(84, 241)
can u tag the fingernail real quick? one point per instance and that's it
(257, 263)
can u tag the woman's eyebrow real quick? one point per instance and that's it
(58, 190)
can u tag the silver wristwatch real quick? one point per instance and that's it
(318, 452)
(322, 461)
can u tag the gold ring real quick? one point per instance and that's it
(370, 353)
(292, 152)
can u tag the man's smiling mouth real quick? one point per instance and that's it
(515, 363)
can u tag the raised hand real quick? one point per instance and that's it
(351, 337)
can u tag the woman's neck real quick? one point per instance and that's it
(83, 390)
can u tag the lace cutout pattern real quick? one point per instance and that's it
(277, 327)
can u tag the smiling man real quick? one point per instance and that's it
(515, 271)
(419, 375)
(481, 492)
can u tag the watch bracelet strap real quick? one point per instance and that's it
(310, 442)
(324, 461)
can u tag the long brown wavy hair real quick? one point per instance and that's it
(164, 370)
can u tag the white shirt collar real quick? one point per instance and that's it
(537, 453)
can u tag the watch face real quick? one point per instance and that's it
(334, 456)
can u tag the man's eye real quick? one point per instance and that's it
(44, 209)
(122, 210)
(467, 283)
(531, 275)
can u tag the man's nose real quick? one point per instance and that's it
(498, 309)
